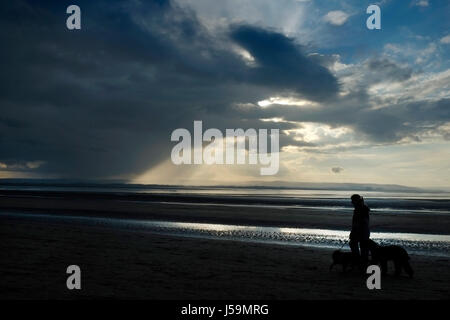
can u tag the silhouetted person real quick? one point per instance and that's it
(360, 231)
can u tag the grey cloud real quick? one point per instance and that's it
(337, 169)
(385, 125)
(386, 69)
(103, 101)
(280, 62)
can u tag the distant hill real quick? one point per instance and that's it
(357, 187)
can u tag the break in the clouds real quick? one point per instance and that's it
(102, 102)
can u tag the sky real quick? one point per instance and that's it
(352, 104)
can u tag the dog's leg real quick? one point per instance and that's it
(332, 265)
(398, 267)
(383, 264)
(408, 269)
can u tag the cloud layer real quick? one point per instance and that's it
(102, 102)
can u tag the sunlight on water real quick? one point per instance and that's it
(198, 226)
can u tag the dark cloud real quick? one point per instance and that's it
(102, 101)
(403, 120)
(337, 169)
(281, 63)
(386, 69)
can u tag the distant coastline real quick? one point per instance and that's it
(250, 185)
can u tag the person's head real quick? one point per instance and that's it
(357, 200)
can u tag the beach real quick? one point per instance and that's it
(262, 210)
(128, 263)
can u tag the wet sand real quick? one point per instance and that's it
(189, 208)
(134, 265)
(127, 264)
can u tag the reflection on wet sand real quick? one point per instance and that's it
(430, 244)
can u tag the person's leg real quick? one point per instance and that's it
(372, 246)
(355, 250)
(364, 244)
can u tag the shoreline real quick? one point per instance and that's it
(130, 207)
(419, 244)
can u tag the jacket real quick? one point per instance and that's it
(360, 223)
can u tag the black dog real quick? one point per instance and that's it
(343, 258)
(382, 254)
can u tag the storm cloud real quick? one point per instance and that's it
(102, 102)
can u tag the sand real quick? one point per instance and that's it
(124, 264)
